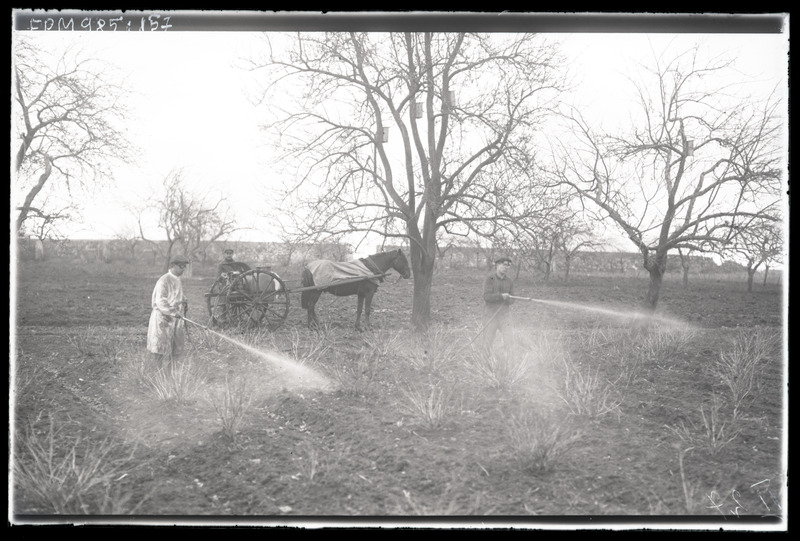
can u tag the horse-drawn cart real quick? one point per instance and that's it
(260, 298)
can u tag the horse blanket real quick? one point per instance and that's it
(327, 272)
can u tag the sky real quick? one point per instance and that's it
(191, 110)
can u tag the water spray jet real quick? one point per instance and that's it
(605, 311)
(300, 375)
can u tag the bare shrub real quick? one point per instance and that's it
(178, 381)
(710, 433)
(597, 337)
(383, 342)
(138, 367)
(84, 341)
(500, 372)
(585, 392)
(429, 405)
(436, 348)
(663, 344)
(630, 367)
(355, 376)
(537, 441)
(232, 403)
(207, 340)
(311, 348)
(737, 366)
(111, 346)
(543, 348)
(72, 475)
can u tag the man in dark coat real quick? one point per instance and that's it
(229, 265)
(497, 291)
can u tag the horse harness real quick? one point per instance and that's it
(370, 264)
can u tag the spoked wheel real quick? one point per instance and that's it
(219, 311)
(258, 298)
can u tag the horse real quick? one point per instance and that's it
(365, 289)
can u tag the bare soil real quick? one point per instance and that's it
(352, 452)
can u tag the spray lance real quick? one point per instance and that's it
(187, 320)
(522, 298)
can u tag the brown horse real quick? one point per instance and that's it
(365, 289)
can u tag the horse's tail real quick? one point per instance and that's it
(308, 281)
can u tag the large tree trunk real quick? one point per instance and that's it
(766, 273)
(422, 268)
(421, 307)
(654, 289)
(751, 272)
(656, 266)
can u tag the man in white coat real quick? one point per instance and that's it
(166, 332)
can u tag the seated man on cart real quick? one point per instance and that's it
(228, 265)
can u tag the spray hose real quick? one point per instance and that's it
(186, 319)
(483, 328)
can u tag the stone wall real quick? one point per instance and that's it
(109, 251)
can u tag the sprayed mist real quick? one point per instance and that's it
(296, 374)
(636, 315)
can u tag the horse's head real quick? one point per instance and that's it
(400, 264)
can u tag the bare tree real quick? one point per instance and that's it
(775, 258)
(698, 160)
(190, 222)
(67, 116)
(757, 244)
(129, 238)
(465, 107)
(46, 225)
(549, 224)
(575, 235)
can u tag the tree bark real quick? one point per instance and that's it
(422, 268)
(751, 272)
(654, 289)
(656, 266)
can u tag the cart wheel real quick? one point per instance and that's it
(258, 298)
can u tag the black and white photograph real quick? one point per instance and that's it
(399, 270)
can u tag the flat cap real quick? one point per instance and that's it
(179, 260)
(503, 259)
